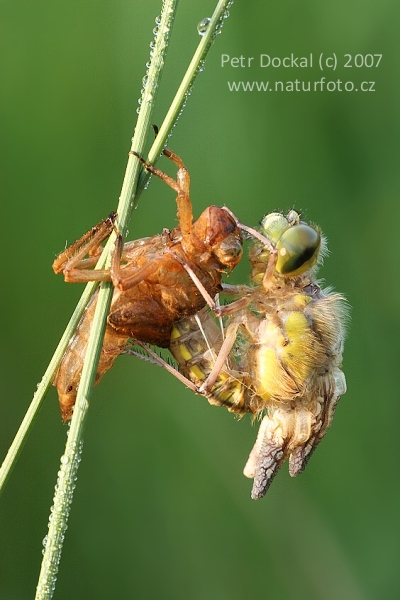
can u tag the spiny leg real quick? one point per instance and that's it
(219, 311)
(270, 271)
(220, 362)
(120, 278)
(72, 263)
(236, 289)
(183, 176)
(181, 187)
(154, 358)
(273, 256)
(252, 232)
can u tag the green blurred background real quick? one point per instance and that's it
(162, 509)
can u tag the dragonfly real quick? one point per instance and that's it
(277, 355)
(157, 280)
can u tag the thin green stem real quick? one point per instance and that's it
(70, 460)
(71, 457)
(132, 186)
(144, 120)
(124, 212)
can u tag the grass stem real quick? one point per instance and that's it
(133, 185)
(71, 457)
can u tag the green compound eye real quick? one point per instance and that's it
(298, 249)
(273, 225)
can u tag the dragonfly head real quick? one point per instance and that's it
(299, 245)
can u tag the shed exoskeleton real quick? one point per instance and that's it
(158, 280)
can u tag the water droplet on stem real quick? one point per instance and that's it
(203, 26)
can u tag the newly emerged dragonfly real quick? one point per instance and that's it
(279, 352)
(158, 280)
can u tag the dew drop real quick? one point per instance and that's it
(203, 26)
